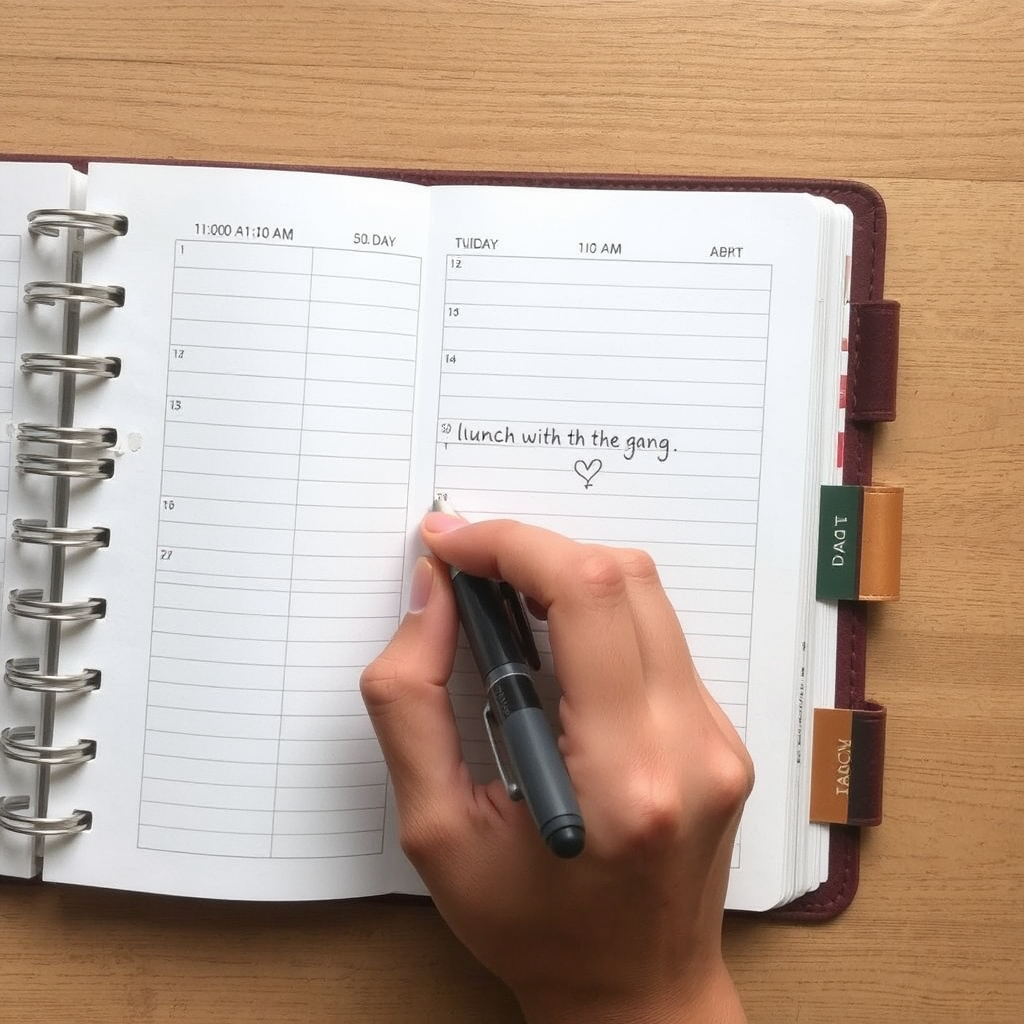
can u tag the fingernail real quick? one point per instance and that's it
(422, 584)
(442, 522)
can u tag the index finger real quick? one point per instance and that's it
(594, 640)
(532, 559)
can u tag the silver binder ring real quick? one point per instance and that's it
(18, 743)
(49, 222)
(29, 604)
(93, 437)
(38, 531)
(60, 362)
(54, 465)
(24, 674)
(30, 825)
(48, 292)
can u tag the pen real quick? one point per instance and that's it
(499, 635)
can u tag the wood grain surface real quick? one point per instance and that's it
(924, 99)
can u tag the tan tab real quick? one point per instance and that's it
(881, 544)
(831, 760)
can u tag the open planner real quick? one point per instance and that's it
(232, 393)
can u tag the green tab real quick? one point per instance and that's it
(839, 542)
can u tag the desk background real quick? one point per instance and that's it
(924, 100)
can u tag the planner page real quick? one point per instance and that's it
(24, 258)
(257, 514)
(640, 368)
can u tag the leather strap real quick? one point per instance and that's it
(874, 351)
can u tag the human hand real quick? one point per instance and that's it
(630, 931)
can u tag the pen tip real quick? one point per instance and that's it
(444, 505)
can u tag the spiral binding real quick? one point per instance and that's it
(49, 222)
(60, 362)
(56, 465)
(47, 293)
(66, 453)
(76, 438)
(95, 437)
(38, 531)
(33, 825)
(30, 604)
(24, 674)
(17, 743)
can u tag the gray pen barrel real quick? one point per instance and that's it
(540, 771)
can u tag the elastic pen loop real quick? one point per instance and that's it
(520, 624)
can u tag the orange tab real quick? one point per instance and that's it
(831, 763)
(881, 543)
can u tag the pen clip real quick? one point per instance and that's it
(519, 623)
(492, 728)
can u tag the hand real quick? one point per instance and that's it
(630, 931)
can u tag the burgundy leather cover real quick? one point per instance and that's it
(871, 385)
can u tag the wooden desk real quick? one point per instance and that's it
(923, 100)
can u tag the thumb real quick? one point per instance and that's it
(405, 692)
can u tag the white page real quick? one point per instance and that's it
(24, 187)
(269, 342)
(571, 323)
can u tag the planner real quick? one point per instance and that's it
(232, 392)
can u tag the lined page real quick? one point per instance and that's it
(560, 396)
(635, 370)
(264, 512)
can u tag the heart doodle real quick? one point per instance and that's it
(587, 470)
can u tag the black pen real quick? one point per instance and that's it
(499, 635)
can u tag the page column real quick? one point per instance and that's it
(236, 368)
(350, 534)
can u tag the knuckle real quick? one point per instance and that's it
(424, 837)
(730, 778)
(415, 843)
(601, 574)
(380, 682)
(656, 811)
(655, 815)
(638, 565)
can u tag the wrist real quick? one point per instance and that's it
(711, 999)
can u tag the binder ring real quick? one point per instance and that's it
(30, 825)
(59, 362)
(16, 743)
(49, 222)
(29, 604)
(53, 465)
(94, 437)
(38, 531)
(24, 674)
(48, 292)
